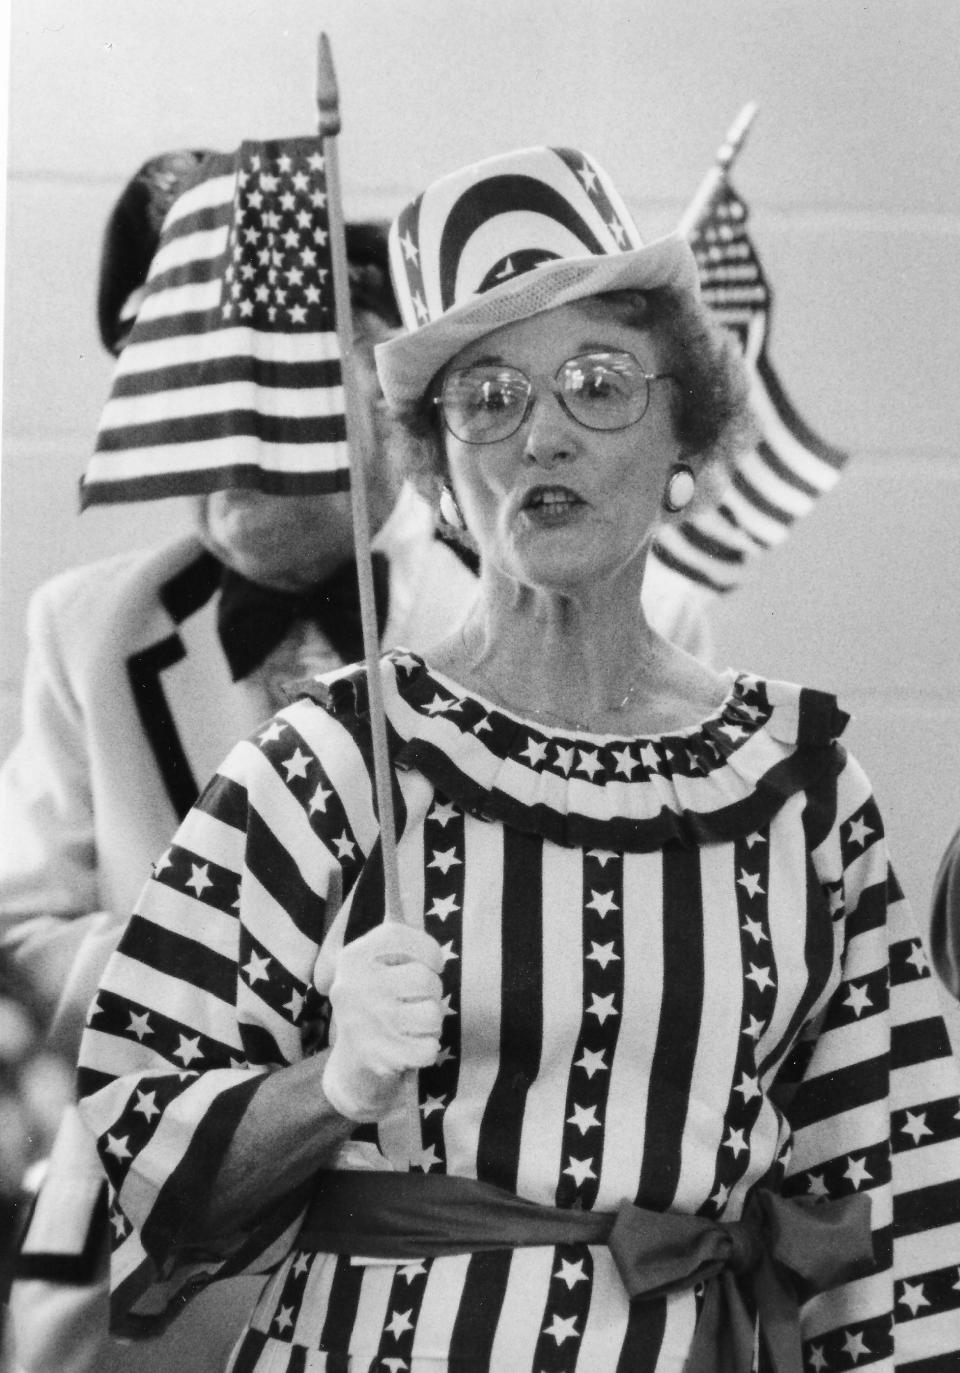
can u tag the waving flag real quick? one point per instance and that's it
(778, 482)
(232, 373)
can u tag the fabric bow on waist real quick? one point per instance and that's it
(783, 1250)
(786, 1249)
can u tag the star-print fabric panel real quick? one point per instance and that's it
(675, 968)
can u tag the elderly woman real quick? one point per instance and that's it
(620, 1086)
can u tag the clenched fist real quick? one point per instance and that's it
(385, 991)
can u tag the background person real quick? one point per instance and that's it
(650, 923)
(140, 676)
(143, 670)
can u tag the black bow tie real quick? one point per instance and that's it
(252, 619)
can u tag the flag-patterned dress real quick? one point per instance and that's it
(676, 967)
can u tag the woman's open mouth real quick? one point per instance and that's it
(551, 504)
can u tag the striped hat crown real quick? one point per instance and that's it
(481, 226)
(502, 240)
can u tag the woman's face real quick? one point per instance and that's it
(557, 504)
(294, 541)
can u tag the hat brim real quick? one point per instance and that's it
(407, 363)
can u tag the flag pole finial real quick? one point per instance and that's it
(736, 135)
(328, 96)
(711, 185)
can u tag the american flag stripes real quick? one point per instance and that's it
(730, 993)
(231, 376)
(779, 481)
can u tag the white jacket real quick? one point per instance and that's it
(128, 708)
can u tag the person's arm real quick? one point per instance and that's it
(289, 1118)
(52, 925)
(207, 996)
(385, 991)
(873, 1105)
(209, 1114)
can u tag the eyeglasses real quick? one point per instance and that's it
(489, 401)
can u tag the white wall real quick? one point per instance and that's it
(851, 176)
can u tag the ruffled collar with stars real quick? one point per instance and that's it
(713, 781)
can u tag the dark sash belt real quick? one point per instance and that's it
(788, 1248)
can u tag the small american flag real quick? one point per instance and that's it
(232, 373)
(780, 480)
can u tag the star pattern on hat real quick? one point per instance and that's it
(498, 222)
(588, 174)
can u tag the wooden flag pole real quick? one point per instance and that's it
(361, 441)
(712, 183)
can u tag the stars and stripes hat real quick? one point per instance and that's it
(502, 240)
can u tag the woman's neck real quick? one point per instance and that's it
(591, 663)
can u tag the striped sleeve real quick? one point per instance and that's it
(211, 988)
(876, 1109)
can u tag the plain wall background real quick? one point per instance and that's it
(850, 173)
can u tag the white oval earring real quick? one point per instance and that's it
(680, 488)
(450, 511)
